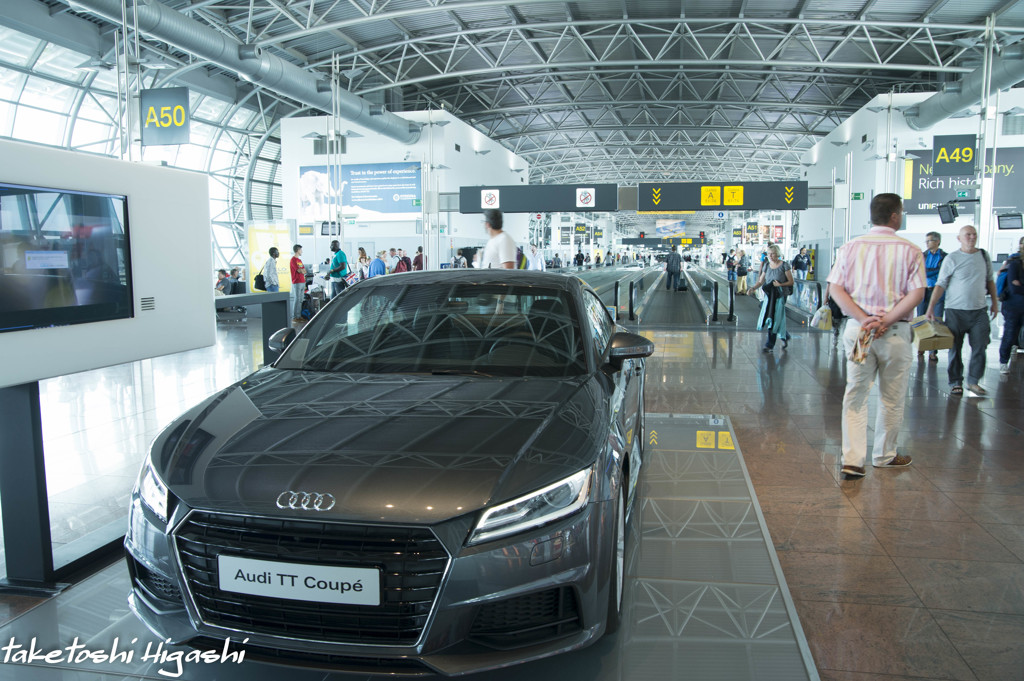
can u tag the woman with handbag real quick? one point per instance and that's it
(776, 280)
(742, 263)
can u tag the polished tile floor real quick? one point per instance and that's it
(912, 573)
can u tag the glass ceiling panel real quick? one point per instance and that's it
(48, 95)
(211, 109)
(39, 126)
(61, 62)
(16, 47)
(10, 84)
(241, 118)
(99, 108)
(106, 79)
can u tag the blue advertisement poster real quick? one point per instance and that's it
(371, 191)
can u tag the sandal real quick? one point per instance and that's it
(956, 390)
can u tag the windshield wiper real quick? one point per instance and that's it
(460, 372)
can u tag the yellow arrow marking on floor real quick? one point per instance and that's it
(706, 439)
(654, 437)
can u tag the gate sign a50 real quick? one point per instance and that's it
(165, 116)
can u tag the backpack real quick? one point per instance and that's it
(401, 266)
(1003, 279)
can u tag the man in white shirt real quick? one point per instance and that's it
(501, 248)
(536, 259)
(965, 277)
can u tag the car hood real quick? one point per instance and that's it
(409, 449)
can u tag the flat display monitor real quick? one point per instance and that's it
(1011, 221)
(947, 213)
(64, 257)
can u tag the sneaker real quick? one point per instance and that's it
(852, 472)
(897, 462)
(1004, 368)
(976, 389)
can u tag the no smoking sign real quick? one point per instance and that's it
(585, 197)
(490, 198)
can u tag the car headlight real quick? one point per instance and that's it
(539, 508)
(153, 491)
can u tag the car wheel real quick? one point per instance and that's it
(617, 583)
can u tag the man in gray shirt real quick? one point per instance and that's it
(965, 277)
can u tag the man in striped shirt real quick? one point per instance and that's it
(878, 279)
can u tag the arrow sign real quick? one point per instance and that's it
(654, 437)
(656, 196)
(789, 195)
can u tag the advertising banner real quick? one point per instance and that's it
(260, 236)
(923, 190)
(372, 192)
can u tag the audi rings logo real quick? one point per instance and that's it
(305, 501)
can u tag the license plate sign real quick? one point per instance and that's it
(299, 582)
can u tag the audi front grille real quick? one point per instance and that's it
(411, 560)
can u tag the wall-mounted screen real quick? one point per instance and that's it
(947, 213)
(64, 257)
(1011, 221)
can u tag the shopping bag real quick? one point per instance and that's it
(822, 319)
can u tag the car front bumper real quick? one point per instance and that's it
(500, 603)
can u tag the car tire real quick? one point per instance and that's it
(617, 579)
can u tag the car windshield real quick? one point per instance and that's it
(458, 328)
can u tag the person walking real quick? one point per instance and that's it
(500, 250)
(417, 262)
(339, 269)
(730, 265)
(777, 278)
(1013, 307)
(298, 291)
(965, 278)
(933, 257)
(536, 259)
(270, 271)
(363, 263)
(878, 279)
(742, 265)
(673, 265)
(801, 264)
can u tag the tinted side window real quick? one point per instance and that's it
(600, 323)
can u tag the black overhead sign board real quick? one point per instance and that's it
(666, 242)
(540, 198)
(720, 196)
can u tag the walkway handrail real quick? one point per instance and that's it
(714, 298)
(615, 300)
(732, 302)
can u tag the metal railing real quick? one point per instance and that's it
(640, 290)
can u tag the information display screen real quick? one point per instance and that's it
(1011, 221)
(64, 258)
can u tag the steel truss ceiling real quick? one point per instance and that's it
(621, 90)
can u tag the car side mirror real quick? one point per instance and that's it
(626, 345)
(280, 339)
